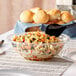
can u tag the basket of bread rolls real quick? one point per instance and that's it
(32, 19)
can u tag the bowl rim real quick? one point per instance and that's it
(62, 41)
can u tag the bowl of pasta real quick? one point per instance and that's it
(38, 45)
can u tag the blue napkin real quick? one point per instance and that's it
(70, 31)
(20, 28)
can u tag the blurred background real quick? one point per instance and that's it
(11, 9)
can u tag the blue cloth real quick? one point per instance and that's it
(21, 27)
(70, 31)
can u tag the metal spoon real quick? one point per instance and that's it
(1, 42)
(56, 29)
(1, 51)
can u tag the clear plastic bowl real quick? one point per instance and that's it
(41, 51)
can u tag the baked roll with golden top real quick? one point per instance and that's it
(66, 16)
(26, 16)
(35, 10)
(47, 10)
(62, 12)
(41, 17)
(60, 22)
(54, 14)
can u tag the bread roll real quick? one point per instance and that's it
(35, 10)
(54, 14)
(41, 17)
(47, 11)
(66, 17)
(52, 22)
(60, 22)
(62, 12)
(26, 16)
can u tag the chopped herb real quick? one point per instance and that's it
(32, 47)
(31, 41)
(48, 38)
(49, 52)
(33, 38)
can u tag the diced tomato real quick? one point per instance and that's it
(31, 51)
(37, 59)
(43, 40)
(38, 34)
(44, 35)
(23, 40)
(39, 40)
(34, 56)
(29, 33)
